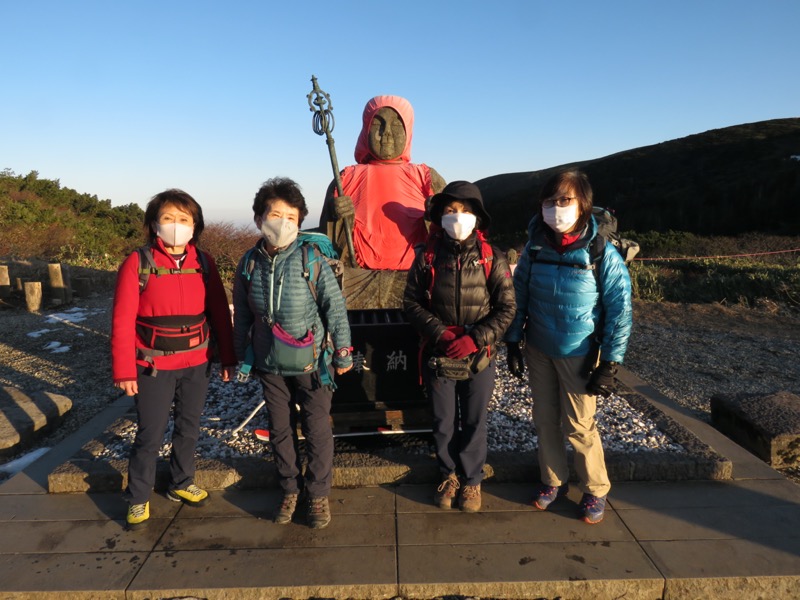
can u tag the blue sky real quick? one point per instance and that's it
(125, 99)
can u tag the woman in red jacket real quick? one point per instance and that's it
(168, 299)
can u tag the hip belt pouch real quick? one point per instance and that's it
(460, 369)
(457, 369)
(291, 354)
(174, 333)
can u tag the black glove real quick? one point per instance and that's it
(601, 381)
(516, 365)
(343, 207)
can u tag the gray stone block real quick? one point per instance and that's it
(768, 425)
(23, 417)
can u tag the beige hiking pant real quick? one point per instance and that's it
(562, 410)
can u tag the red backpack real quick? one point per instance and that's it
(430, 254)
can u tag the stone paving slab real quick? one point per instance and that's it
(75, 507)
(731, 569)
(263, 574)
(757, 493)
(454, 527)
(43, 537)
(545, 570)
(76, 576)
(238, 534)
(262, 503)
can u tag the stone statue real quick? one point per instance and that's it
(384, 194)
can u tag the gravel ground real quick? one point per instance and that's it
(688, 352)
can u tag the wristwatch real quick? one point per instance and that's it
(343, 352)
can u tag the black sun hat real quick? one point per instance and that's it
(463, 191)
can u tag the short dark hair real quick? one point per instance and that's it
(181, 200)
(578, 182)
(280, 188)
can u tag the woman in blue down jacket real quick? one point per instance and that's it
(573, 306)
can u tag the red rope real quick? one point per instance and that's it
(726, 256)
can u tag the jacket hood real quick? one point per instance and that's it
(402, 107)
(461, 191)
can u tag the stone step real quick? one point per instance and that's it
(23, 417)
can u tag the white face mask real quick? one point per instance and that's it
(279, 233)
(560, 218)
(174, 234)
(459, 225)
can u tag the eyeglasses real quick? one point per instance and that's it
(560, 201)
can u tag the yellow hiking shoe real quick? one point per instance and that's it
(138, 515)
(192, 495)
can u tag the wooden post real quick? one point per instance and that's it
(5, 282)
(33, 295)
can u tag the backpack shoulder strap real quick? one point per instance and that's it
(429, 256)
(248, 265)
(308, 266)
(147, 266)
(487, 255)
(202, 258)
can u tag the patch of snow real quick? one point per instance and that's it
(39, 333)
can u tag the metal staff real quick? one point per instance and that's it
(322, 122)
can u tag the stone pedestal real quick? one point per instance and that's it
(768, 425)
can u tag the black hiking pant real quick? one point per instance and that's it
(460, 414)
(186, 390)
(281, 394)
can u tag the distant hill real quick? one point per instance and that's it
(727, 181)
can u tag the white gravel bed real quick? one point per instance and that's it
(510, 428)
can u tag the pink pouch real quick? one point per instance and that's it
(292, 355)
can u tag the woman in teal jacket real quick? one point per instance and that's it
(285, 321)
(573, 297)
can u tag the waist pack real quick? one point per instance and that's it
(459, 369)
(292, 355)
(177, 333)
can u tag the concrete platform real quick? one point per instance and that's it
(734, 538)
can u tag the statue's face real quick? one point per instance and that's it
(387, 134)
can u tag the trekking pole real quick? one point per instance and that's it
(236, 431)
(323, 123)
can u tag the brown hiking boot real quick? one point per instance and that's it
(446, 492)
(285, 513)
(319, 512)
(470, 498)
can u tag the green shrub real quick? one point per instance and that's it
(739, 281)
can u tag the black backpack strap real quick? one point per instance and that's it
(147, 266)
(202, 258)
